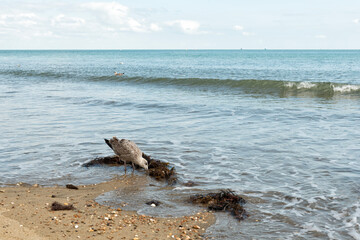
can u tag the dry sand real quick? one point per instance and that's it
(25, 213)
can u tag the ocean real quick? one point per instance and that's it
(279, 127)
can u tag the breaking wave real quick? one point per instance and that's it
(253, 86)
(279, 88)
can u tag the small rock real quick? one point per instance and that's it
(153, 202)
(196, 227)
(190, 184)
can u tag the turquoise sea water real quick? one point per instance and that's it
(280, 127)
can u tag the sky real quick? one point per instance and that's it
(180, 24)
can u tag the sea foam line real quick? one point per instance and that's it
(345, 88)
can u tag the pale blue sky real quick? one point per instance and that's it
(172, 24)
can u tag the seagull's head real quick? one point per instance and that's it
(143, 163)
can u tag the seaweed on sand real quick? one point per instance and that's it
(225, 200)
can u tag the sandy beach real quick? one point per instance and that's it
(25, 213)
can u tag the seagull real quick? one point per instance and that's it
(127, 151)
(118, 74)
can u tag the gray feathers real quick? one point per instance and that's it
(127, 151)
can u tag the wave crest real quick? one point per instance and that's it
(254, 86)
(246, 86)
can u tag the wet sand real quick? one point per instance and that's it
(25, 213)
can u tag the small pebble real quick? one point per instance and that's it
(196, 227)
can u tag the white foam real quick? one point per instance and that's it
(337, 215)
(345, 88)
(352, 222)
(331, 234)
(306, 85)
(310, 227)
(301, 85)
(289, 84)
(312, 200)
(354, 234)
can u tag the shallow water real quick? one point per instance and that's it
(279, 127)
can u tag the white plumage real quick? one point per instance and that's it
(127, 151)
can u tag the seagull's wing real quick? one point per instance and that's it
(131, 147)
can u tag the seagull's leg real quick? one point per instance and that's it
(133, 166)
(125, 166)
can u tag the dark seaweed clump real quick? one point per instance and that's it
(225, 200)
(160, 170)
(110, 160)
(55, 206)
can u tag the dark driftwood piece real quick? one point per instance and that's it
(70, 186)
(55, 206)
(225, 200)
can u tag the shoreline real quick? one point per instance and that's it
(25, 213)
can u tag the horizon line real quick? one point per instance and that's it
(172, 49)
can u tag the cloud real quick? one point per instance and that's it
(118, 16)
(238, 27)
(356, 21)
(244, 33)
(115, 12)
(45, 34)
(67, 22)
(19, 19)
(154, 27)
(85, 19)
(186, 26)
(247, 34)
(320, 36)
